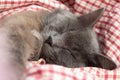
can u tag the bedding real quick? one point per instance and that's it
(107, 29)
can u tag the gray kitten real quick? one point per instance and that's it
(71, 41)
(68, 40)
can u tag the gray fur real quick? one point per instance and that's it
(65, 40)
(71, 41)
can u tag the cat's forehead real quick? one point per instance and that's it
(61, 15)
(64, 13)
(61, 18)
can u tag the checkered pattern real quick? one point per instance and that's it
(107, 28)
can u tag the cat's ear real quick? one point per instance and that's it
(88, 20)
(105, 62)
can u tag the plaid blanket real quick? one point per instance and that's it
(107, 28)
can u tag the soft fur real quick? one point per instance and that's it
(19, 43)
(65, 40)
(71, 41)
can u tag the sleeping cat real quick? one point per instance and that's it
(20, 42)
(65, 40)
(70, 41)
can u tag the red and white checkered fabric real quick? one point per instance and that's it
(107, 28)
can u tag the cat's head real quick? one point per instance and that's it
(70, 40)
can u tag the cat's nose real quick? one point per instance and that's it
(49, 40)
